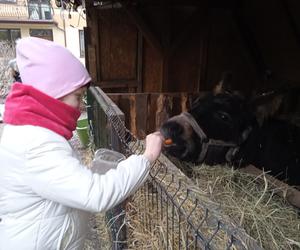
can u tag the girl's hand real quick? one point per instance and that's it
(154, 143)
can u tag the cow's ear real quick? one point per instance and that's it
(224, 85)
(266, 105)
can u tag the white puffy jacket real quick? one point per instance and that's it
(45, 191)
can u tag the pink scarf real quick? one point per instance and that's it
(26, 105)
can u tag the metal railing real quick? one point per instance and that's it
(26, 11)
(169, 199)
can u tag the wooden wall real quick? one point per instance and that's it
(150, 50)
(145, 112)
(185, 48)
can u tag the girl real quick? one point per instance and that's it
(45, 193)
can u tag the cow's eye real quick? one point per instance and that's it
(224, 116)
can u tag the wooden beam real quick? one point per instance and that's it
(133, 114)
(139, 62)
(142, 26)
(92, 62)
(118, 84)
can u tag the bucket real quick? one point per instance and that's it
(106, 159)
(83, 131)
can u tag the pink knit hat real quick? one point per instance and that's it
(49, 67)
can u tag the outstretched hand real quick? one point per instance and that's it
(153, 146)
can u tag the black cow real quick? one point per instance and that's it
(223, 128)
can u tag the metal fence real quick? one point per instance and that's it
(169, 205)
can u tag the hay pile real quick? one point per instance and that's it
(253, 204)
(249, 201)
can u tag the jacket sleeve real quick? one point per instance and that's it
(53, 173)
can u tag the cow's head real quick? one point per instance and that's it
(223, 120)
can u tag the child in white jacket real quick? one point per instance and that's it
(45, 193)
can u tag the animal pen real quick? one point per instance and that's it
(167, 205)
(154, 58)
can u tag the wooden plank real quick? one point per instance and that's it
(124, 104)
(117, 84)
(140, 23)
(140, 63)
(92, 62)
(115, 98)
(92, 41)
(151, 112)
(184, 102)
(164, 109)
(142, 116)
(117, 46)
(176, 105)
(152, 69)
(133, 113)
